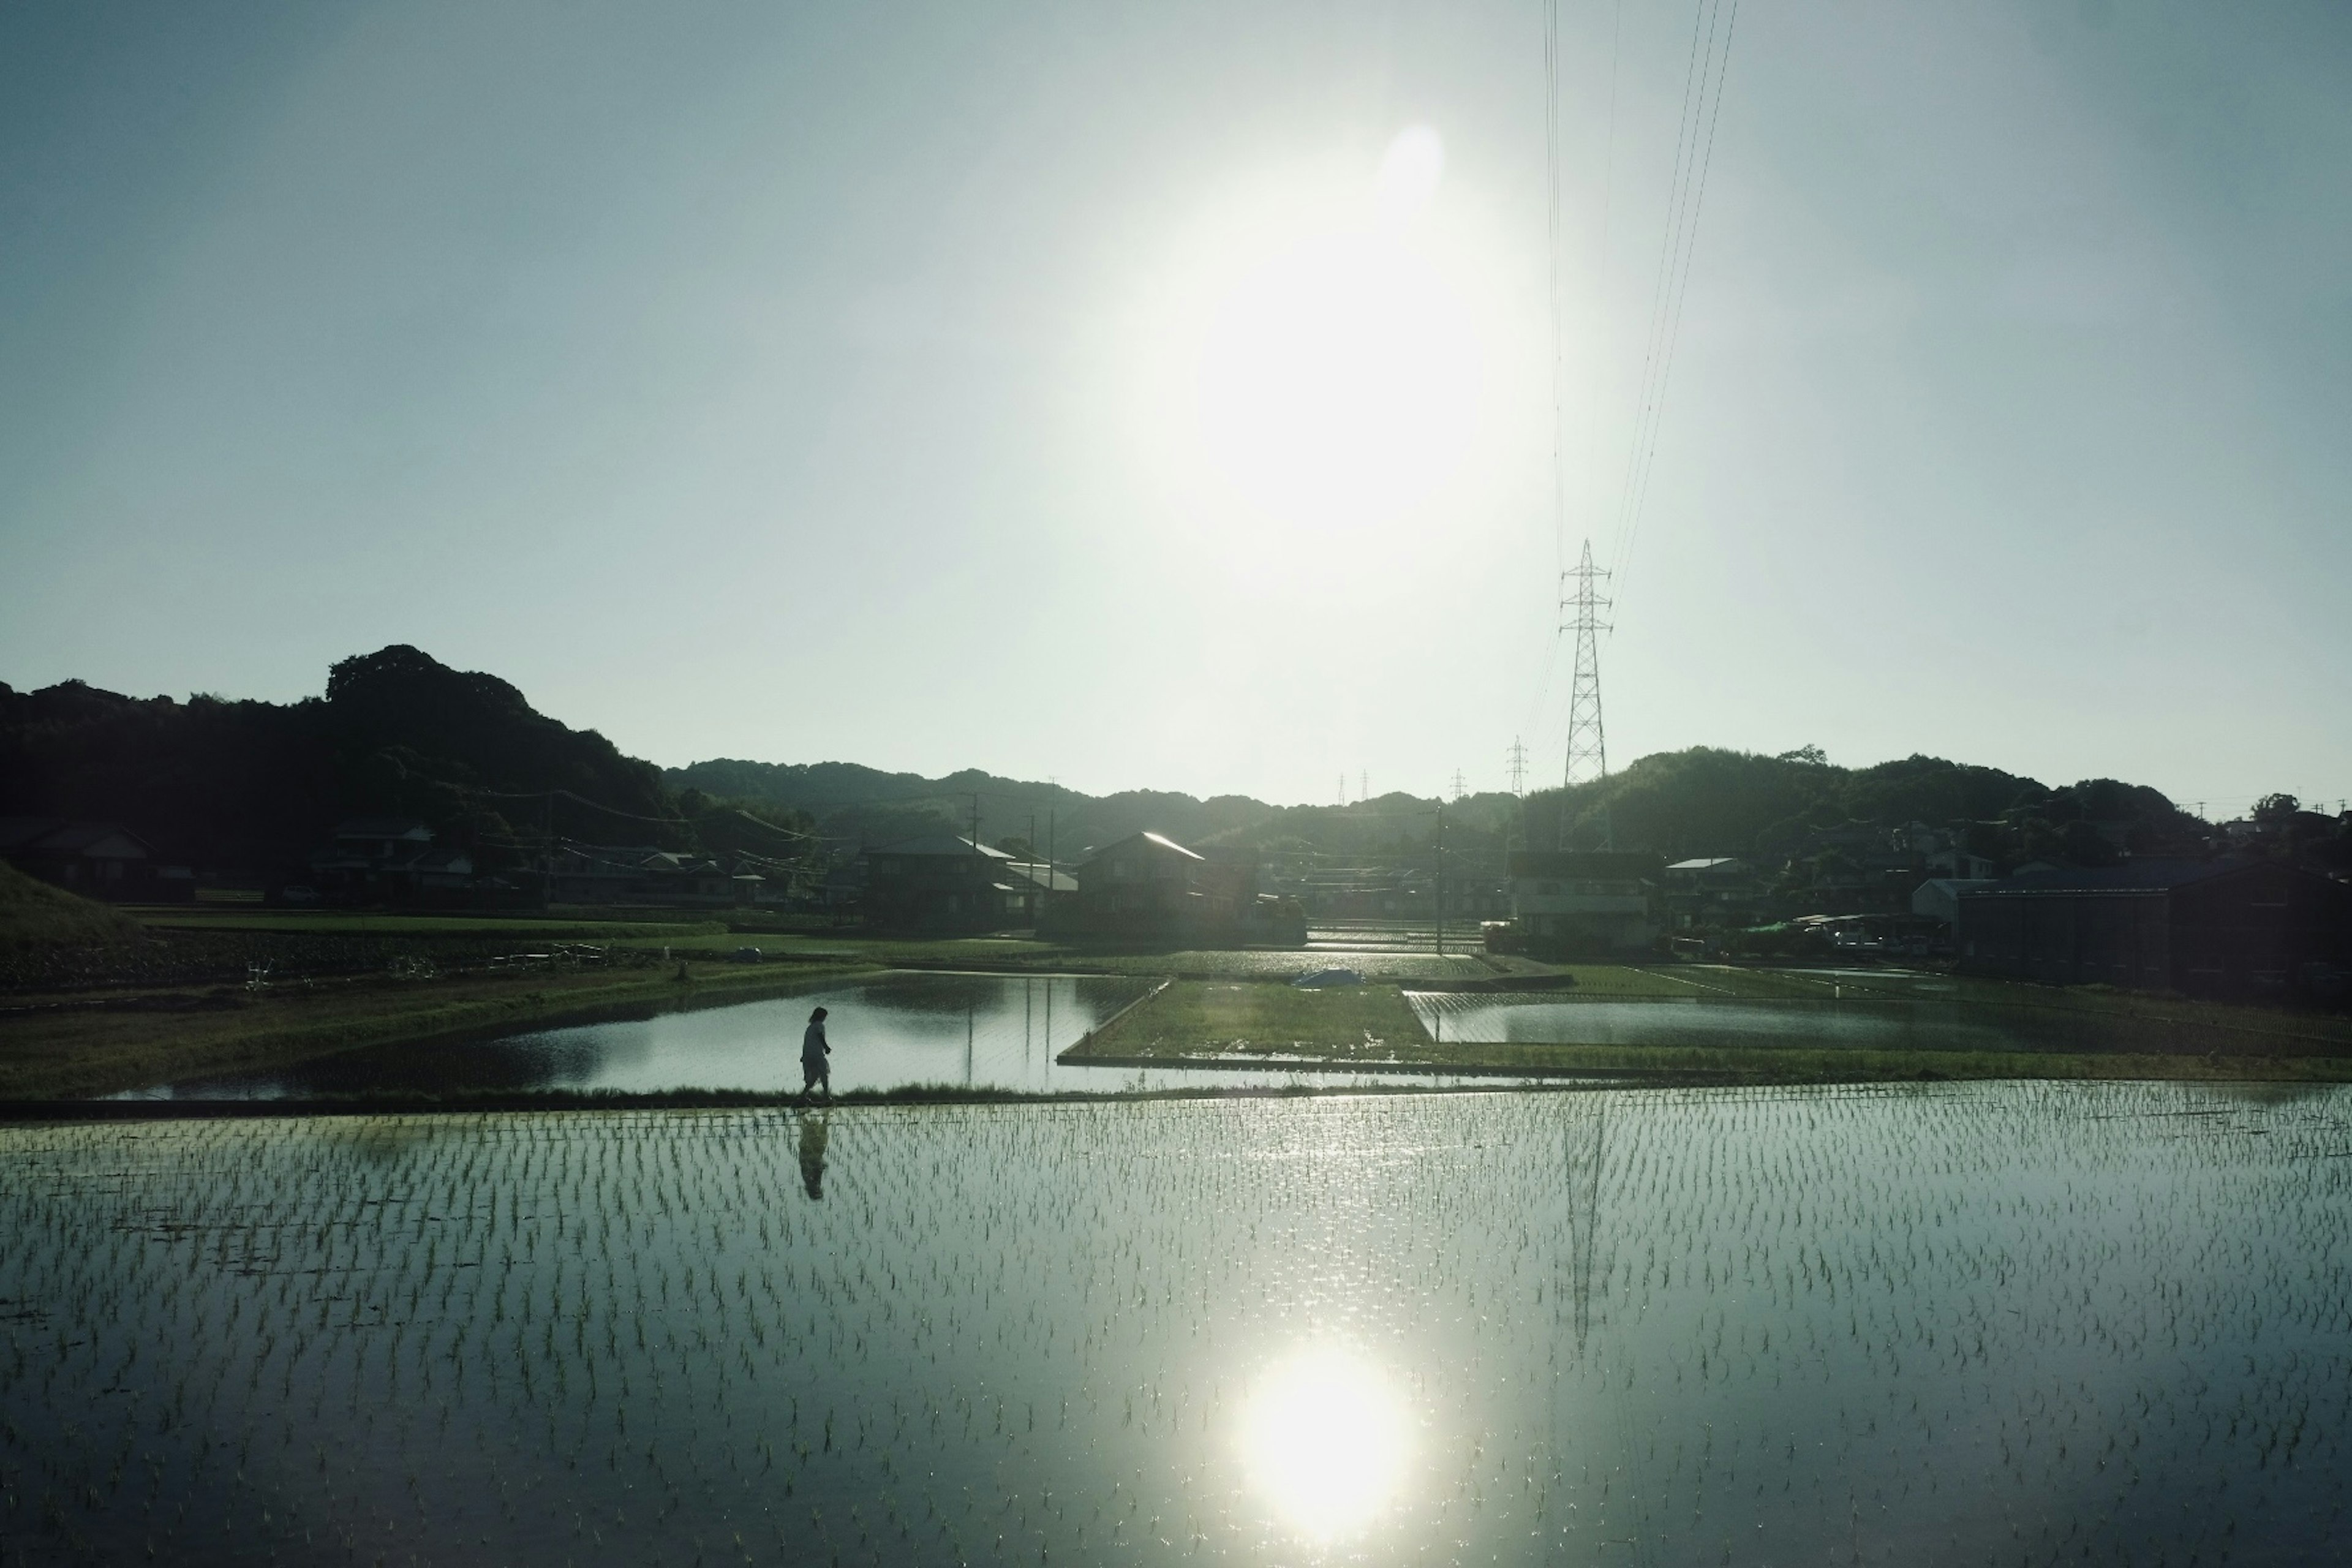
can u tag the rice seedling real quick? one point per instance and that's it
(2014, 1321)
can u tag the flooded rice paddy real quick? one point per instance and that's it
(1877, 1025)
(974, 1031)
(1993, 1322)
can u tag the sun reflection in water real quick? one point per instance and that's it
(1325, 1440)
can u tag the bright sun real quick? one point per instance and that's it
(1319, 361)
(1325, 1440)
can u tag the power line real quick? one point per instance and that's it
(1552, 208)
(1703, 85)
(1640, 500)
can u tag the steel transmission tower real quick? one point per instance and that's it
(1588, 745)
(1519, 766)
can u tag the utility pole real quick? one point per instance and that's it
(1440, 878)
(1363, 785)
(975, 822)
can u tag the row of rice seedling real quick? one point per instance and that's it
(1985, 1324)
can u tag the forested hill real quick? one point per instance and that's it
(1702, 801)
(397, 732)
(1705, 801)
(261, 783)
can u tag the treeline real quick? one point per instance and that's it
(1706, 802)
(259, 785)
(397, 733)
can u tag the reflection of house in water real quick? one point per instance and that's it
(2225, 926)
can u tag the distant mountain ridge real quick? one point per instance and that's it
(399, 733)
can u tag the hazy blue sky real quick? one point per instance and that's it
(954, 385)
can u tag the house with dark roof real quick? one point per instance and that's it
(1149, 888)
(98, 859)
(2214, 927)
(1573, 901)
(942, 883)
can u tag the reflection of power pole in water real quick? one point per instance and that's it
(1587, 1136)
(967, 1045)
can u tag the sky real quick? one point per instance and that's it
(1167, 396)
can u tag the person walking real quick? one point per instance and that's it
(815, 1071)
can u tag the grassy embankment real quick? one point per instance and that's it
(67, 1050)
(1937, 1026)
(133, 1003)
(328, 991)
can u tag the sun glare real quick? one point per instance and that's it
(1319, 360)
(1325, 1441)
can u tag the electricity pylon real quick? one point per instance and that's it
(1588, 746)
(1518, 764)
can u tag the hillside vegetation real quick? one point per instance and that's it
(258, 784)
(32, 912)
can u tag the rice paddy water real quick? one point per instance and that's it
(1988, 1322)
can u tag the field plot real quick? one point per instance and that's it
(1969, 1324)
(1213, 1020)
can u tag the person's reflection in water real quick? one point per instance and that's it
(813, 1136)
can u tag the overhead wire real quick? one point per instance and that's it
(1685, 138)
(1551, 208)
(1703, 85)
(1681, 293)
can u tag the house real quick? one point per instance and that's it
(369, 859)
(667, 878)
(942, 883)
(598, 875)
(99, 859)
(1044, 887)
(2208, 926)
(1939, 897)
(382, 840)
(1149, 888)
(1711, 891)
(1596, 901)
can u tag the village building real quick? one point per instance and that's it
(1583, 901)
(2215, 927)
(1149, 888)
(1719, 891)
(97, 859)
(1939, 897)
(944, 883)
